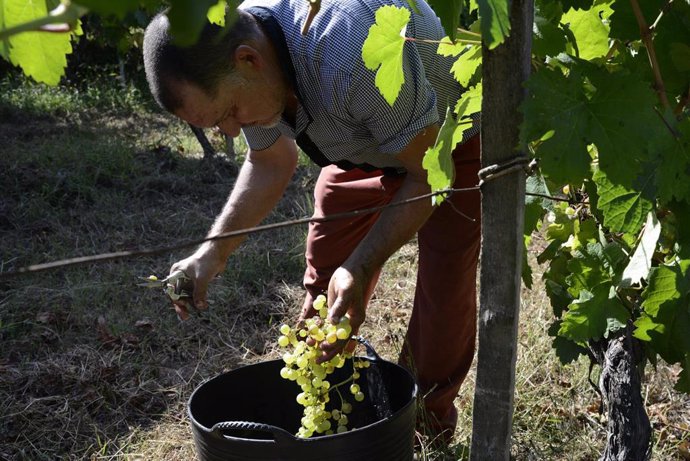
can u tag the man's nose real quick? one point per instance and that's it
(230, 127)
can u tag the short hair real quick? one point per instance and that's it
(203, 64)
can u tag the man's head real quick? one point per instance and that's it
(230, 78)
(203, 64)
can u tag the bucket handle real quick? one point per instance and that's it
(279, 435)
(371, 352)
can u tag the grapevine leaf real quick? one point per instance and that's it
(216, 14)
(438, 161)
(618, 135)
(624, 209)
(41, 55)
(589, 30)
(4, 44)
(535, 207)
(567, 351)
(495, 21)
(470, 102)
(383, 50)
(594, 315)
(558, 104)
(449, 12)
(666, 303)
(548, 38)
(683, 384)
(187, 19)
(623, 22)
(449, 48)
(526, 273)
(673, 166)
(413, 5)
(681, 212)
(671, 40)
(666, 285)
(586, 270)
(466, 65)
(577, 4)
(641, 261)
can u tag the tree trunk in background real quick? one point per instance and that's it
(505, 69)
(628, 432)
(209, 151)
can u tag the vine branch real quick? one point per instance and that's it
(103, 257)
(646, 35)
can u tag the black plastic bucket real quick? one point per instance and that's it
(250, 413)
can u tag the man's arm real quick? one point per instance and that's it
(260, 184)
(395, 227)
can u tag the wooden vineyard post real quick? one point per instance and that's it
(504, 71)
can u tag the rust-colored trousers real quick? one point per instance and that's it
(439, 345)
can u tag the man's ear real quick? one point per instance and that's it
(248, 57)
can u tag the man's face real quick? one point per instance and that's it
(239, 102)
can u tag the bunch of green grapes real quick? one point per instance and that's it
(302, 350)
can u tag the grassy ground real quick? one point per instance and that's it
(93, 367)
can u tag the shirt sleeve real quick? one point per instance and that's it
(415, 108)
(258, 138)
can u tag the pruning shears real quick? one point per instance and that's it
(175, 285)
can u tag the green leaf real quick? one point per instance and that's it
(413, 5)
(589, 30)
(187, 19)
(567, 351)
(667, 307)
(469, 103)
(495, 21)
(681, 212)
(466, 65)
(586, 271)
(535, 207)
(41, 55)
(449, 12)
(623, 22)
(620, 137)
(640, 263)
(673, 165)
(548, 38)
(558, 103)
(624, 209)
(383, 50)
(683, 384)
(594, 315)
(438, 160)
(671, 40)
(4, 44)
(216, 14)
(666, 285)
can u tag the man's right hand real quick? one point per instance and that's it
(200, 268)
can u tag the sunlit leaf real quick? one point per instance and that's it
(594, 315)
(625, 209)
(438, 160)
(383, 50)
(216, 14)
(41, 55)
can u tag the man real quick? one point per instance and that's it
(274, 84)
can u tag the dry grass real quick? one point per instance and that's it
(93, 367)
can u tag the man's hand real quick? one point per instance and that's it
(346, 295)
(201, 267)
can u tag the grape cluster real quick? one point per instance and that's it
(302, 350)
